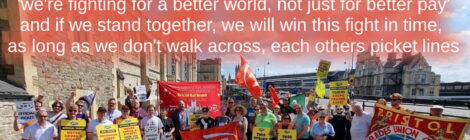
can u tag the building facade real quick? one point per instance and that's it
(55, 77)
(209, 70)
(409, 75)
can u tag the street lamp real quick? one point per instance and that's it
(264, 76)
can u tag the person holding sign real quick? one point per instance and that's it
(265, 119)
(302, 122)
(285, 123)
(151, 126)
(42, 130)
(91, 128)
(17, 125)
(56, 114)
(77, 125)
(239, 112)
(322, 130)
(125, 111)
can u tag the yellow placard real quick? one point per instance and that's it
(320, 88)
(323, 69)
(193, 119)
(72, 129)
(311, 98)
(339, 93)
(286, 134)
(261, 133)
(107, 132)
(129, 129)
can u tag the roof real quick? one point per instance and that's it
(9, 91)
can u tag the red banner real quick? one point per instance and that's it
(226, 132)
(205, 94)
(389, 123)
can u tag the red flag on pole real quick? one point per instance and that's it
(246, 78)
(226, 132)
(274, 97)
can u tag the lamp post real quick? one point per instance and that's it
(264, 77)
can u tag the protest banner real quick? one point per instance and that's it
(141, 93)
(72, 129)
(338, 93)
(261, 133)
(390, 123)
(107, 132)
(203, 93)
(226, 132)
(129, 129)
(26, 111)
(286, 134)
(323, 69)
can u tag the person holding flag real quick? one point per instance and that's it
(91, 128)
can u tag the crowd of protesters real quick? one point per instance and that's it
(348, 122)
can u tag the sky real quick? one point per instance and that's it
(456, 21)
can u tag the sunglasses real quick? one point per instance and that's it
(285, 118)
(73, 110)
(321, 117)
(230, 102)
(238, 110)
(396, 99)
(43, 116)
(276, 108)
(58, 106)
(80, 105)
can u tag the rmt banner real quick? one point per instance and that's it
(203, 94)
(390, 124)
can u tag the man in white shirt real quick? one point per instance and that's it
(112, 113)
(42, 130)
(360, 122)
(91, 128)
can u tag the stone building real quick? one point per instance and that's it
(409, 75)
(55, 77)
(209, 70)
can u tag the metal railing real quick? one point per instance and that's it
(442, 102)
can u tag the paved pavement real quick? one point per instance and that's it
(448, 111)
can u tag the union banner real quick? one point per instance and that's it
(202, 93)
(390, 124)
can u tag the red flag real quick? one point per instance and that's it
(274, 97)
(226, 132)
(246, 78)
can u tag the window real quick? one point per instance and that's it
(458, 87)
(377, 80)
(466, 87)
(413, 92)
(431, 91)
(3, 3)
(421, 92)
(443, 87)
